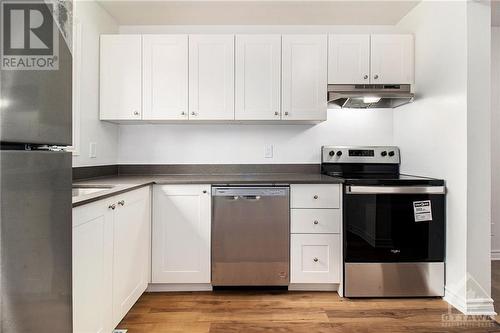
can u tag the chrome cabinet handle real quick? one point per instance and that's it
(315, 222)
(136, 113)
(193, 113)
(205, 191)
(276, 113)
(315, 197)
(183, 113)
(365, 77)
(315, 259)
(286, 113)
(376, 76)
(112, 206)
(121, 202)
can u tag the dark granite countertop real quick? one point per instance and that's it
(124, 183)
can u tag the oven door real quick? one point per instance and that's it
(394, 224)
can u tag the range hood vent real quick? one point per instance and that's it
(365, 96)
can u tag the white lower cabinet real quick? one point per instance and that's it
(92, 268)
(130, 250)
(181, 234)
(110, 259)
(315, 241)
(315, 258)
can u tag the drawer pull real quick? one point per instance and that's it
(315, 259)
(112, 206)
(315, 197)
(121, 202)
(315, 222)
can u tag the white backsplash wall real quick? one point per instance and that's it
(226, 144)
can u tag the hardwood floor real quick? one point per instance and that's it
(293, 312)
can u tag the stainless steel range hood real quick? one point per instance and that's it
(364, 96)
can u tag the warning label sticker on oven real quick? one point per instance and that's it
(422, 210)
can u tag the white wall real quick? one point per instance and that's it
(495, 142)
(435, 135)
(479, 155)
(94, 21)
(246, 143)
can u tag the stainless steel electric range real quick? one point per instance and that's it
(393, 224)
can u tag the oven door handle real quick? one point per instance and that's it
(350, 189)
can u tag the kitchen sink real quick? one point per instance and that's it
(79, 190)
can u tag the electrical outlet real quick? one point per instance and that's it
(268, 151)
(93, 150)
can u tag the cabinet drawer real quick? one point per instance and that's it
(315, 258)
(315, 196)
(315, 221)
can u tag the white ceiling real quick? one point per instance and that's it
(263, 12)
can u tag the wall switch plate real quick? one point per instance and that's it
(268, 151)
(93, 150)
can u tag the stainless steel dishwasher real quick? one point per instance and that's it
(250, 236)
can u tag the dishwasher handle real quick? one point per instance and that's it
(250, 193)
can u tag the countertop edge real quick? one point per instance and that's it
(156, 180)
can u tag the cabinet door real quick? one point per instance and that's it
(181, 234)
(258, 81)
(120, 77)
(349, 59)
(211, 77)
(392, 59)
(315, 258)
(304, 77)
(130, 250)
(165, 77)
(92, 268)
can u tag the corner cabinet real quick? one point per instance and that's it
(304, 77)
(120, 89)
(371, 59)
(181, 234)
(110, 259)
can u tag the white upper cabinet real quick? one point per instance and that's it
(392, 59)
(211, 77)
(304, 77)
(181, 234)
(258, 81)
(165, 77)
(349, 59)
(120, 77)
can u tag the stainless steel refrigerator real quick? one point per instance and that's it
(35, 193)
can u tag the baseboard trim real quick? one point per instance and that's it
(495, 254)
(173, 287)
(475, 306)
(313, 287)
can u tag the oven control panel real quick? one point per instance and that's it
(358, 154)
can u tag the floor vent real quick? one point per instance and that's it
(120, 330)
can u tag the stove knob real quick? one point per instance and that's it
(384, 153)
(331, 153)
(391, 153)
(339, 153)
